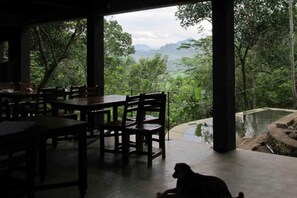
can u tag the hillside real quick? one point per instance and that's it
(171, 50)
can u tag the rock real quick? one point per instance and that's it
(292, 134)
(281, 125)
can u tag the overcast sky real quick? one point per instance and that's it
(155, 27)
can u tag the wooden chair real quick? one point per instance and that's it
(94, 115)
(5, 104)
(5, 108)
(77, 91)
(44, 96)
(27, 86)
(43, 107)
(148, 131)
(42, 104)
(114, 129)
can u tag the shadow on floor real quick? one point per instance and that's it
(256, 174)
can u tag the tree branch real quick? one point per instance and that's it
(41, 47)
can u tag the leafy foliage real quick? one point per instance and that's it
(261, 43)
(262, 61)
(51, 45)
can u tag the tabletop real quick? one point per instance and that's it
(92, 101)
(13, 93)
(52, 123)
(14, 127)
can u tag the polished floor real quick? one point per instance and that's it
(256, 174)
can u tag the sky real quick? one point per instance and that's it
(156, 27)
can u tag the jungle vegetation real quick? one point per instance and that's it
(264, 49)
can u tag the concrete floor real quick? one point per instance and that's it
(256, 174)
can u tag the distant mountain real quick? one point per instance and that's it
(142, 47)
(170, 50)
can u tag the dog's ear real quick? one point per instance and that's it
(185, 167)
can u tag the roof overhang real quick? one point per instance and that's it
(19, 13)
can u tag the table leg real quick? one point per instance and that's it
(15, 110)
(83, 115)
(82, 161)
(55, 110)
(125, 146)
(42, 159)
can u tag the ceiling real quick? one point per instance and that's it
(19, 13)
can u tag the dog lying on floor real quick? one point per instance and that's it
(194, 185)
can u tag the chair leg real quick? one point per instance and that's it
(108, 116)
(162, 144)
(55, 142)
(149, 150)
(42, 159)
(139, 143)
(116, 140)
(125, 146)
(102, 143)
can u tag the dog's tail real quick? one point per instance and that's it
(241, 195)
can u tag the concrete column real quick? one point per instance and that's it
(19, 56)
(95, 53)
(223, 76)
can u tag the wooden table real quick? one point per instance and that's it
(16, 136)
(87, 104)
(55, 126)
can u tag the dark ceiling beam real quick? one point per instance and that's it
(61, 4)
(117, 6)
(22, 13)
(58, 15)
(12, 20)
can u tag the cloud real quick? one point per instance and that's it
(155, 27)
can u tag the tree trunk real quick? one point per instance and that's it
(242, 57)
(254, 89)
(292, 61)
(244, 85)
(50, 66)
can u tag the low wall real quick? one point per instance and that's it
(282, 135)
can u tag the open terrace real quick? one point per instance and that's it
(254, 173)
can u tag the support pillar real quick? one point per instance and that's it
(95, 52)
(224, 137)
(2, 66)
(19, 56)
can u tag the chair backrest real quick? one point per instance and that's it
(93, 91)
(17, 86)
(152, 108)
(27, 86)
(44, 96)
(4, 110)
(78, 91)
(131, 109)
(6, 85)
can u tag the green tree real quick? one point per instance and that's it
(191, 94)
(149, 74)
(254, 20)
(118, 50)
(59, 52)
(52, 45)
(117, 44)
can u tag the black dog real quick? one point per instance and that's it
(194, 185)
